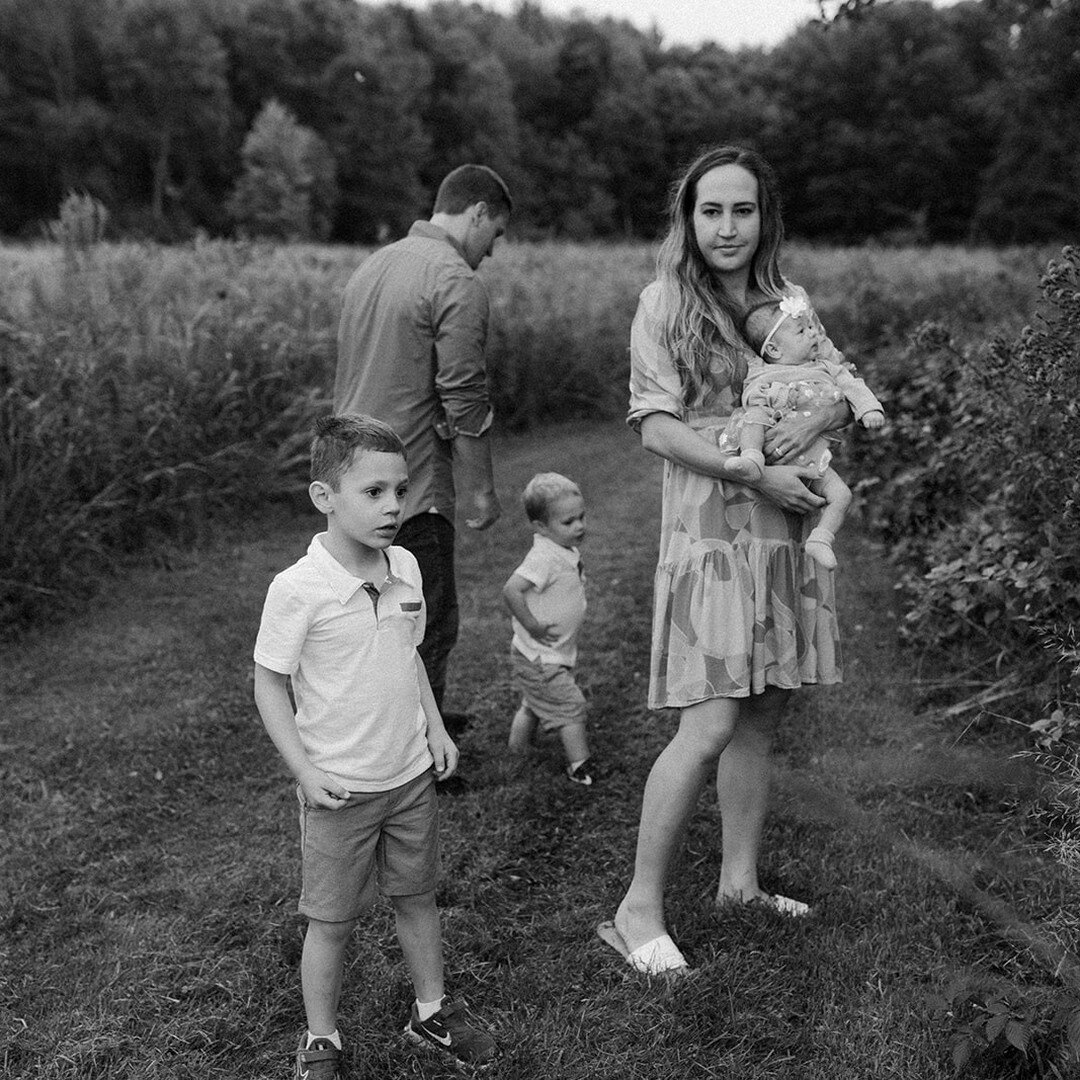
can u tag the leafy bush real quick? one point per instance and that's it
(1007, 1031)
(979, 488)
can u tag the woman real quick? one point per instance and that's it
(741, 617)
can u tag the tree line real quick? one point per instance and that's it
(335, 120)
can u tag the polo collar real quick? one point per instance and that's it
(546, 544)
(341, 582)
(433, 232)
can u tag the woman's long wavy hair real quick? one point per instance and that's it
(701, 329)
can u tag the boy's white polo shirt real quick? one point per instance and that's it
(557, 597)
(353, 670)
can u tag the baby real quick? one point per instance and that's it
(790, 376)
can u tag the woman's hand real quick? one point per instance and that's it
(795, 433)
(783, 486)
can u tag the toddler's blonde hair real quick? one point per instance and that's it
(542, 490)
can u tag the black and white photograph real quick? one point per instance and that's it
(540, 539)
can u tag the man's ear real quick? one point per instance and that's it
(319, 491)
(480, 211)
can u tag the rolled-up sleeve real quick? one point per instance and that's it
(654, 382)
(460, 318)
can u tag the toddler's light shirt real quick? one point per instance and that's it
(557, 597)
(353, 667)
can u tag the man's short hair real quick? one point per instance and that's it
(337, 438)
(467, 185)
(542, 490)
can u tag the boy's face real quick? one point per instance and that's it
(366, 508)
(565, 520)
(794, 342)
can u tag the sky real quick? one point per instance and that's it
(731, 23)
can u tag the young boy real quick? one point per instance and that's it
(791, 376)
(546, 597)
(343, 625)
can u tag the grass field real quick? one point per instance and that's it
(147, 838)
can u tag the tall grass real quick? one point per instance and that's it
(146, 390)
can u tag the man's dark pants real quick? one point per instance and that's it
(430, 537)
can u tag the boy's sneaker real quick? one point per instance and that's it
(319, 1061)
(580, 775)
(452, 1031)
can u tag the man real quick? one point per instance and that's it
(411, 353)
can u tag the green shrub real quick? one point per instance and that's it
(1006, 1031)
(982, 495)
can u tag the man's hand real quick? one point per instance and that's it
(486, 505)
(873, 420)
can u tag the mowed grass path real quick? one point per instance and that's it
(149, 849)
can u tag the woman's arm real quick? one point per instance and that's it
(671, 439)
(793, 434)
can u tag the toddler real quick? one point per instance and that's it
(365, 741)
(790, 376)
(546, 598)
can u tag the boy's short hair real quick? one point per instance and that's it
(758, 321)
(542, 490)
(337, 438)
(467, 185)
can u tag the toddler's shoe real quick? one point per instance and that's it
(580, 774)
(319, 1061)
(452, 1030)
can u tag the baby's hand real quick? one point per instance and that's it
(873, 420)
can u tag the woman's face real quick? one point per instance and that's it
(727, 220)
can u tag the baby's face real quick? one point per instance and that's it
(794, 342)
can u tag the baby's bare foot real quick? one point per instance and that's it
(744, 470)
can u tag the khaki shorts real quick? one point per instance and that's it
(549, 692)
(384, 839)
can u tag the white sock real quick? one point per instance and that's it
(425, 1010)
(334, 1037)
(574, 764)
(819, 547)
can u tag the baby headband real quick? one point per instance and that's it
(793, 306)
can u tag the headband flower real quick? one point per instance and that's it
(794, 305)
(791, 307)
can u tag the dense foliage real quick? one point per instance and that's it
(909, 122)
(981, 492)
